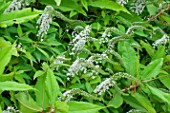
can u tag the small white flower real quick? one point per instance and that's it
(138, 6)
(105, 85)
(122, 2)
(16, 5)
(44, 21)
(163, 40)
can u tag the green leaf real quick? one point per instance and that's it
(62, 107)
(116, 101)
(133, 103)
(18, 17)
(159, 53)
(160, 95)
(151, 9)
(27, 101)
(19, 30)
(147, 47)
(14, 86)
(165, 79)
(166, 18)
(52, 87)
(84, 3)
(129, 59)
(152, 69)
(83, 107)
(144, 102)
(108, 4)
(5, 57)
(38, 73)
(58, 2)
(0, 109)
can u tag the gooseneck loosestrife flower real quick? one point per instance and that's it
(111, 82)
(17, 5)
(44, 21)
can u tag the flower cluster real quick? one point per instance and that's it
(110, 82)
(81, 64)
(11, 109)
(163, 40)
(59, 61)
(138, 6)
(135, 111)
(79, 39)
(122, 2)
(16, 5)
(68, 95)
(44, 21)
(105, 85)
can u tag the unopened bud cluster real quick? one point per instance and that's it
(138, 6)
(11, 109)
(163, 40)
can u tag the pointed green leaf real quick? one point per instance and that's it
(52, 87)
(147, 47)
(129, 59)
(165, 79)
(159, 53)
(144, 102)
(116, 101)
(108, 4)
(27, 101)
(14, 86)
(5, 57)
(160, 95)
(152, 69)
(83, 107)
(38, 73)
(84, 3)
(18, 17)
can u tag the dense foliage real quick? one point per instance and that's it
(84, 56)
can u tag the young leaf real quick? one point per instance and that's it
(83, 107)
(52, 87)
(18, 17)
(165, 79)
(144, 102)
(5, 57)
(27, 101)
(159, 53)
(58, 2)
(14, 86)
(152, 69)
(116, 101)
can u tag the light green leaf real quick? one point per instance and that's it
(62, 106)
(116, 101)
(19, 30)
(0, 109)
(129, 59)
(151, 9)
(38, 73)
(144, 102)
(84, 3)
(52, 87)
(27, 101)
(58, 2)
(108, 4)
(159, 53)
(5, 57)
(14, 86)
(152, 69)
(18, 17)
(83, 107)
